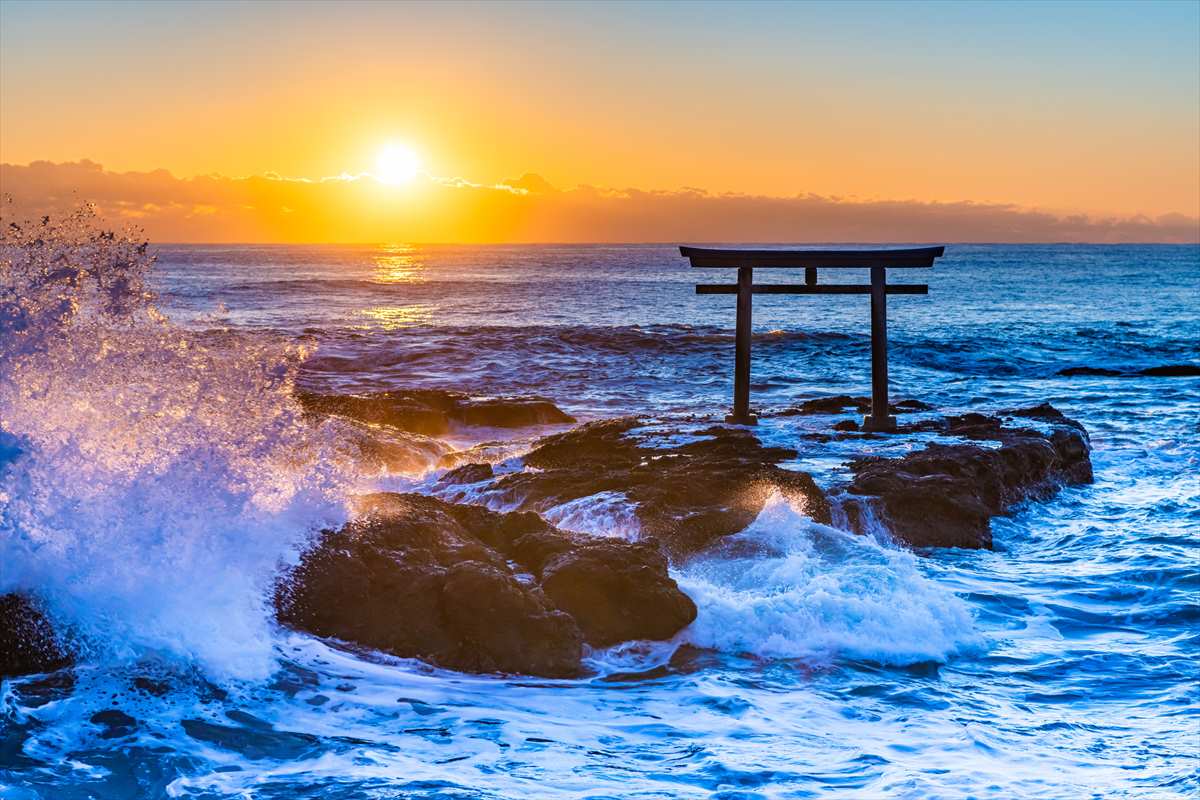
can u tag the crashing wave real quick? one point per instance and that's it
(157, 476)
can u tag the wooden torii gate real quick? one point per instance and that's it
(878, 261)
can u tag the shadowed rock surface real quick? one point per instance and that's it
(28, 642)
(475, 590)
(945, 495)
(688, 490)
(433, 412)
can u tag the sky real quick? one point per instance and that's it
(1072, 112)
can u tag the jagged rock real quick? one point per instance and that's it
(28, 641)
(471, 589)
(686, 495)
(468, 473)
(433, 412)
(946, 495)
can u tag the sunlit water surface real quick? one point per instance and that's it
(1061, 665)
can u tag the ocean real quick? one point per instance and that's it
(158, 474)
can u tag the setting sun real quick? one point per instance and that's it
(397, 164)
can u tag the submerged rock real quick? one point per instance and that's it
(1163, 371)
(945, 495)
(28, 642)
(433, 412)
(688, 490)
(476, 590)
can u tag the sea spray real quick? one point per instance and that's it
(157, 477)
(788, 587)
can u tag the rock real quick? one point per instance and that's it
(829, 405)
(1071, 372)
(839, 403)
(615, 590)
(945, 495)
(28, 642)
(467, 473)
(1172, 371)
(471, 589)
(845, 425)
(433, 412)
(687, 495)
(1163, 371)
(911, 405)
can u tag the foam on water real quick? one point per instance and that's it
(601, 514)
(161, 474)
(788, 587)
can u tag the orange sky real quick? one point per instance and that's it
(1064, 109)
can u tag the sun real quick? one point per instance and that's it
(397, 164)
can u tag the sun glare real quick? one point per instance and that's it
(397, 164)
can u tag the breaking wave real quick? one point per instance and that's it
(157, 476)
(788, 587)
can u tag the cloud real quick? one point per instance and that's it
(356, 208)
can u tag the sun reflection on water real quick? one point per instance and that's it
(399, 263)
(400, 316)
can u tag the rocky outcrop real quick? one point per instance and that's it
(475, 590)
(945, 495)
(433, 412)
(688, 489)
(28, 642)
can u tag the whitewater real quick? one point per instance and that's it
(157, 475)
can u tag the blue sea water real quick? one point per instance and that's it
(174, 479)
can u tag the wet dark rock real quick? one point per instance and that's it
(433, 412)
(829, 405)
(911, 405)
(114, 723)
(687, 495)
(945, 495)
(839, 403)
(1163, 371)
(845, 425)
(468, 473)
(28, 642)
(1172, 371)
(475, 590)
(615, 590)
(1071, 372)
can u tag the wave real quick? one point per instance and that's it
(156, 478)
(788, 587)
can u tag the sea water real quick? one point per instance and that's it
(157, 476)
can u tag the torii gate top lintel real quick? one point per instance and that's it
(878, 261)
(797, 259)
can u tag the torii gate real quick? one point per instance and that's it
(877, 261)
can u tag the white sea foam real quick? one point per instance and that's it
(601, 514)
(788, 587)
(163, 475)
